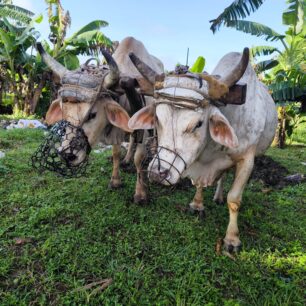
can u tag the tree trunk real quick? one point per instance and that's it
(281, 129)
(37, 93)
(303, 102)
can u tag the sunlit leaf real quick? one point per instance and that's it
(263, 50)
(255, 29)
(199, 65)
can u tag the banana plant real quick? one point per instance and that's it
(285, 72)
(19, 15)
(89, 40)
(288, 74)
(15, 59)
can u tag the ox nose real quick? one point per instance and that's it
(159, 175)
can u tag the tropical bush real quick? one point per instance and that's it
(24, 78)
(285, 72)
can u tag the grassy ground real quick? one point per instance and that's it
(58, 235)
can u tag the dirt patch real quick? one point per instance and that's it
(273, 174)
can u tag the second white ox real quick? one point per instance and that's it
(203, 142)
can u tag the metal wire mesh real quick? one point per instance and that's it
(155, 187)
(60, 150)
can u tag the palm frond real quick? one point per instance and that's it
(16, 13)
(239, 9)
(294, 15)
(92, 26)
(284, 91)
(263, 50)
(90, 43)
(254, 28)
(265, 65)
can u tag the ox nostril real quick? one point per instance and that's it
(159, 176)
(69, 156)
(163, 173)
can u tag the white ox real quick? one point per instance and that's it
(104, 119)
(204, 142)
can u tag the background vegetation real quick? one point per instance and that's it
(25, 81)
(285, 72)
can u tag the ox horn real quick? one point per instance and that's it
(54, 65)
(146, 71)
(235, 75)
(113, 77)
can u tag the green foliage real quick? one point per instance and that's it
(44, 102)
(17, 13)
(293, 119)
(263, 50)
(255, 29)
(74, 232)
(19, 70)
(198, 66)
(238, 9)
(294, 15)
(89, 40)
(287, 79)
(265, 65)
(92, 26)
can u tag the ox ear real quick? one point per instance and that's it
(54, 112)
(117, 116)
(144, 119)
(221, 130)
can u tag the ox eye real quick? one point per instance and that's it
(198, 125)
(91, 116)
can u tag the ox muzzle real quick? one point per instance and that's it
(161, 170)
(60, 149)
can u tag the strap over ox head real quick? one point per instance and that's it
(189, 91)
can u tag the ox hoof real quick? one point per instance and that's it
(219, 201)
(141, 200)
(232, 247)
(115, 184)
(196, 212)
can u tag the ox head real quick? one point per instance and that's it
(183, 132)
(79, 104)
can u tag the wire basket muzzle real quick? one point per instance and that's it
(161, 170)
(65, 151)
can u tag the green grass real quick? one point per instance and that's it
(78, 231)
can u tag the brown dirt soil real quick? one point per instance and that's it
(273, 174)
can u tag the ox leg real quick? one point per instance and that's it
(129, 153)
(218, 197)
(115, 181)
(196, 206)
(243, 170)
(140, 195)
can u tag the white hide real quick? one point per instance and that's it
(126, 67)
(253, 122)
